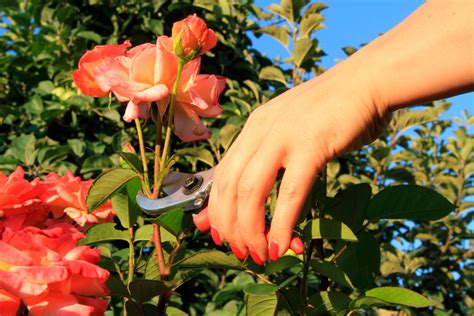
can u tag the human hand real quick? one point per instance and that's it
(201, 221)
(298, 131)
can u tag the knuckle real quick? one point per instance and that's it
(244, 188)
(290, 190)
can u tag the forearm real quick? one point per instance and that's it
(430, 55)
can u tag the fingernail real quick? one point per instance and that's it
(237, 252)
(297, 245)
(255, 257)
(216, 237)
(273, 250)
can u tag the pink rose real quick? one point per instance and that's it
(193, 36)
(68, 195)
(84, 76)
(49, 273)
(138, 78)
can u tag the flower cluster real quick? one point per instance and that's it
(146, 73)
(40, 261)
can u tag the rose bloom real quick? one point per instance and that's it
(52, 276)
(68, 195)
(153, 69)
(193, 36)
(19, 201)
(84, 76)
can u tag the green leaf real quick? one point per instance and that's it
(272, 73)
(349, 50)
(329, 301)
(78, 146)
(104, 232)
(399, 296)
(106, 185)
(90, 36)
(117, 287)
(176, 221)
(260, 299)
(361, 260)
(23, 149)
(280, 33)
(350, 205)
(320, 228)
(366, 302)
(309, 23)
(198, 153)
(406, 119)
(49, 155)
(283, 263)
(132, 161)
(96, 163)
(227, 135)
(125, 204)
(333, 272)
(145, 232)
(316, 7)
(302, 47)
(145, 290)
(211, 259)
(408, 202)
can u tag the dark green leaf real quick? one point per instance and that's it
(23, 149)
(350, 206)
(104, 232)
(132, 161)
(408, 202)
(333, 272)
(211, 259)
(361, 260)
(145, 290)
(90, 36)
(106, 185)
(329, 301)
(176, 221)
(283, 263)
(125, 204)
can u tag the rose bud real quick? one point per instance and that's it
(192, 38)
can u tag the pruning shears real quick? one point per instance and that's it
(186, 190)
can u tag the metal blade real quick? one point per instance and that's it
(174, 181)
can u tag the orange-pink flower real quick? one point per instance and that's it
(68, 195)
(19, 201)
(49, 273)
(84, 76)
(193, 36)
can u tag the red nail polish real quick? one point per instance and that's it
(297, 245)
(255, 257)
(273, 251)
(216, 237)
(237, 252)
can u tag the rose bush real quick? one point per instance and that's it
(47, 124)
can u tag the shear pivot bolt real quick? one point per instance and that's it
(191, 184)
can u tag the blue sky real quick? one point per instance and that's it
(352, 23)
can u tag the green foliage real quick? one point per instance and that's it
(374, 225)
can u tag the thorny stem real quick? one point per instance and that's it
(144, 161)
(156, 238)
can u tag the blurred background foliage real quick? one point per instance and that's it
(47, 125)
